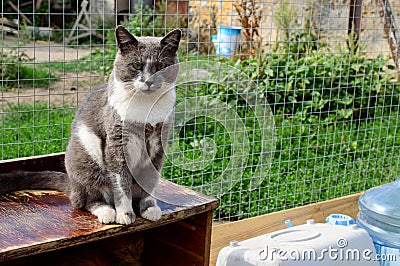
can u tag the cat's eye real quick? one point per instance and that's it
(136, 66)
(160, 67)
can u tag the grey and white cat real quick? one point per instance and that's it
(116, 150)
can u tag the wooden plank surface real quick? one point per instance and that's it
(33, 222)
(222, 234)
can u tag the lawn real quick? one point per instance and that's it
(342, 159)
(34, 129)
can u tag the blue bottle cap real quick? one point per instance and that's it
(288, 223)
(339, 219)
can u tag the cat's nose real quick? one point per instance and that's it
(149, 83)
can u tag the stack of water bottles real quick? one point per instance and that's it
(380, 216)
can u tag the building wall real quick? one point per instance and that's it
(329, 19)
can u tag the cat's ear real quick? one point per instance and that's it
(124, 38)
(171, 40)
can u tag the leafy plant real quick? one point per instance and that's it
(305, 79)
(17, 71)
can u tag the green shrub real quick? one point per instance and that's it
(323, 86)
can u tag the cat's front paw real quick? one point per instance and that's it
(125, 217)
(105, 214)
(152, 213)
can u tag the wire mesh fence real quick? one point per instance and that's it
(298, 100)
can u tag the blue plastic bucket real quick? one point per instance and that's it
(227, 40)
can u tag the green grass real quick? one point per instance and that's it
(28, 76)
(343, 158)
(20, 71)
(34, 129)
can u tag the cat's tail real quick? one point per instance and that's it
(21, 180)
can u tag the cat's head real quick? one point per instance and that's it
(146, 63)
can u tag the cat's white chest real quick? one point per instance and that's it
(150, 110)
(143, 108)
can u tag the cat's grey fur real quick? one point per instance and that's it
(116, 150)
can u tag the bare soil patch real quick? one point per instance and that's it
(71, 89)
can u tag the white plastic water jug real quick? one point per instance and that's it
(308, 244)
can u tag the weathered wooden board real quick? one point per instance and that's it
(33, 222)
(222, 234)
